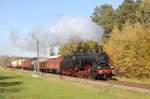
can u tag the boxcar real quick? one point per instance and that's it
(27, 64)
(43, 64)
(53, 63)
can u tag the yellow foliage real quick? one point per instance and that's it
(129, 50)
(78, 46)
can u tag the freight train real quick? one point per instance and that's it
(88, 64)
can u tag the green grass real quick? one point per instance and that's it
(17, 85)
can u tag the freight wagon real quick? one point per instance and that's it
(51, 64)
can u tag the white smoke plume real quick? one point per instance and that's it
(64, 30)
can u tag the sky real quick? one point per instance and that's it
(25, 15)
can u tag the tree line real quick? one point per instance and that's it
(130, 11)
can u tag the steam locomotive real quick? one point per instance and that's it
(88, 64)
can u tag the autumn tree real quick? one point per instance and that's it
(78, 46)
(145, 13)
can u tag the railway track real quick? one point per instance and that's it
(143, 86)
(98, 83)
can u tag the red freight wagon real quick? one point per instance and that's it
(27, 64)
(43, 64)
(53, 63)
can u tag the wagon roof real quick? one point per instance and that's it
(43, 59)
(56, 56)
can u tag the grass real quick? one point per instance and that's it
(17, 85)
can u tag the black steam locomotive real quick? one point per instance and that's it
(89, 64)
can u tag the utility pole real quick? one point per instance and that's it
(38, 45)
(37, 65)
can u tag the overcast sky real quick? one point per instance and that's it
(25, 15)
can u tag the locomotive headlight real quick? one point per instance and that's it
(114, 72)
(98, 67)
(111, 67)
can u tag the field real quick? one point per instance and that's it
(18, 85)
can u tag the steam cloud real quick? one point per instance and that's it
(65, 29)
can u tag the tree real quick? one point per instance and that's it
(138, 14)
(130, 11)
(125, 13)
(145, 13)
(78, 46)
(103, 16)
